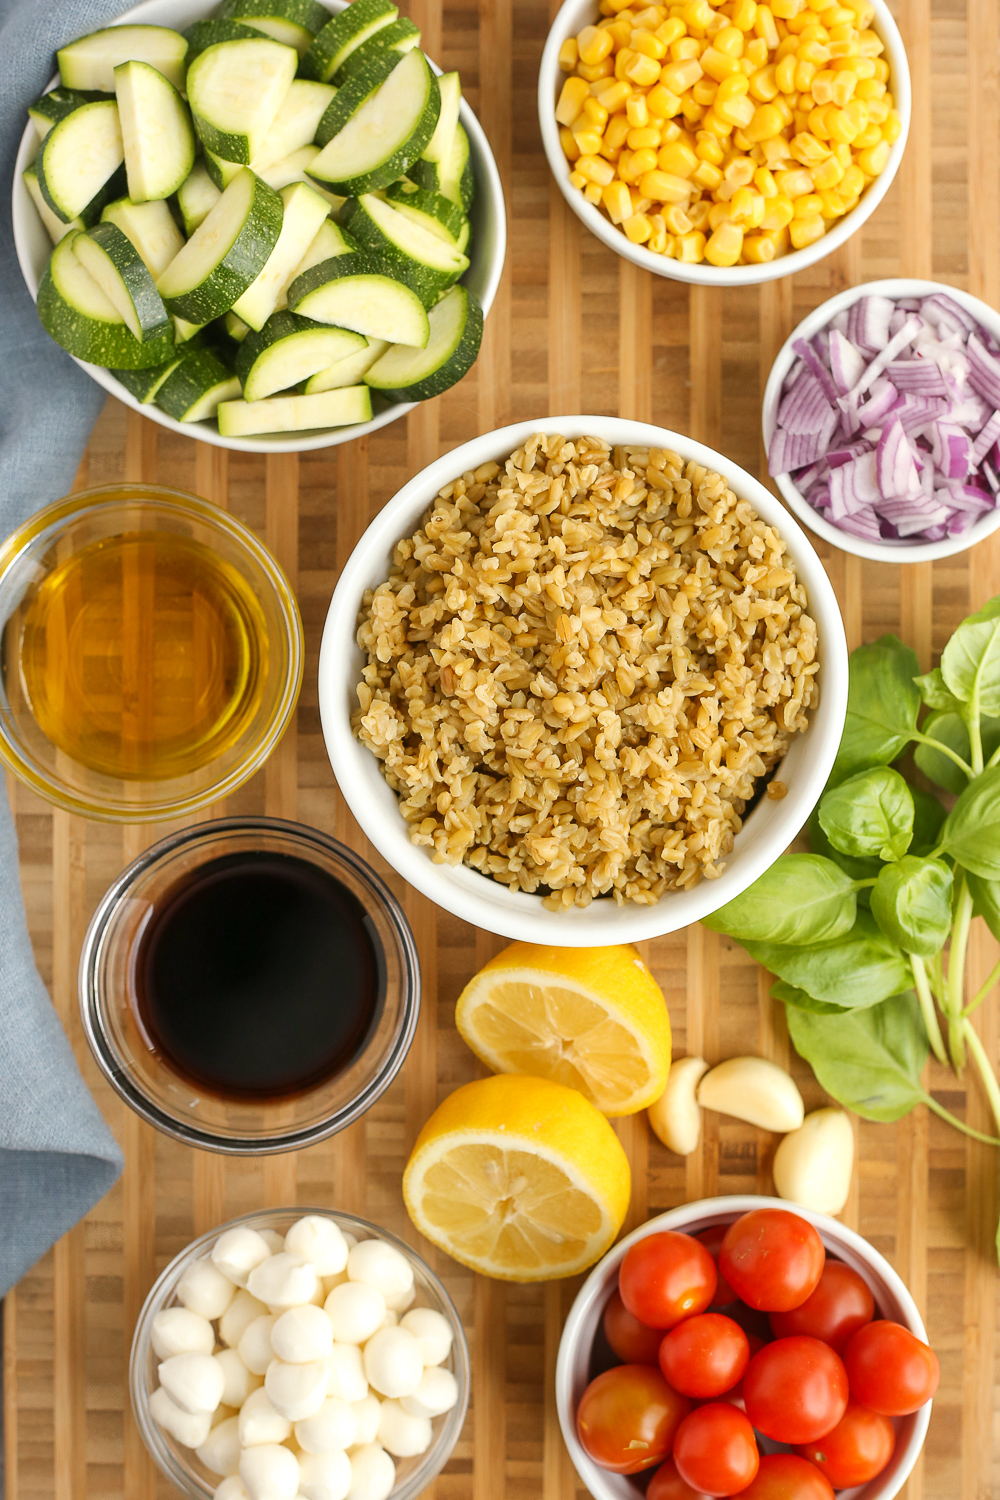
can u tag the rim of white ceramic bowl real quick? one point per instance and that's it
(488, 206)
(884, 551)
(768, 830)
(573, 1360)
(575, 14)
(163, 1449)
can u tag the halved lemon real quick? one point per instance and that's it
(519, 1178)
(592, 1018)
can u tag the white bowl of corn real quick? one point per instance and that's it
(724, 145)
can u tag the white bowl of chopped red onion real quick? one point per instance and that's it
(881, 420)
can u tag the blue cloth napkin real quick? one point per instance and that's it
(57, 1156)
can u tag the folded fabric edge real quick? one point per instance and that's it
(45, 1194)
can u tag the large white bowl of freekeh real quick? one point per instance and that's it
(487, 249)
(462, 889)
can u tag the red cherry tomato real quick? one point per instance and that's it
(667, 1484)
(715, 1450)
(666, 1277)
(772, 1259)
(712, 1240)
(857, 1449)
(705, 1356)
(841, 1304)
(785, 1476)
(632, 1341)
(890, 1371)
(627, 1418)
(735, 1395)
(795, 1390)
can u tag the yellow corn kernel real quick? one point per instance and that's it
(869, 88)
(573, 96)
(697, 14)
(671, 31)
(763, 181)
(641, 205)
(784, 73)
(870, 44)
(837, 15)
(712, 125)
(821, 87)
(691, 248)
(622, 58)
(592, 193)
(719, 213)
(729, 41)
(569, 54)
(643, 71)
(615, 134)
(744, 14)
(662, 102)
(814, 52)
(736, 86)
(678, 76)
(649, 18)
(738, 110)
(637, 111)
(862, 67)
(718, 65)
(741, 204)
(873, 162)
(852, 182)
(639, 163)
(878, 110)
(706, 175)
(843, 88)
(698, 213)
(677, 158)
(754, 55)
(664, 187)
(805, 72)
(833, 204)
(775, 152)
(571, 150)
(588, 140)
(648, 44)
(671, 131)
(739, 171)
(577, 180)
(614, 96)
(766, 123)
(817, 122)
(724, 245)
(764, 26)
(618, 5)
(676, 220)
(637, 229)
(858, 112)
(709, 148)
(784, 10)
(803, 232)
(892, 129)
(869, 137)
(704, 92)
(758, 249)
(592, 72)
(649, 135)
(843, 154)
(778, 212)
(807, 205)
(763, 84)
(880, 68)
(693, 113)
(685, 48)
(827, 174)
(807, 149)
(794, 182)
(620, 31)
(660, 242)
(618, 201)
(841, 126)
(785, 48)
(595, 44)
(596, 169)
(595, 114)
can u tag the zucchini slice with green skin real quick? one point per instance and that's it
(150, 227)
(226, 253)
(144, 384)
(399, 36)
(220, 171)
(235, 327)
(423, 261)
(235, 90)
(344, 34)
(78, 158)
(439, 146)
(121, 273)
(452, 178)
(157, 133)
(195, 388)
(296, 122)
(57, 230)
(212, 30)
(360, 292)
(346, 371)
(78, 316)
(432, 211)
(330, 240)
(353, 94)
(384, 137)
(293, 22)
(196, 197)
(295, 168)
(451, 351)
(90, 61)
(54, 106)
(340, 408)
(303, 212)
(288, 350)
(185, 332)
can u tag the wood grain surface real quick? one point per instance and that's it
(574, 328)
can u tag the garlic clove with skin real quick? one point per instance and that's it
(813, 1165)
(675, 1118)
(755, 1090)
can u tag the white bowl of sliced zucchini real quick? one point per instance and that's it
(273, 225)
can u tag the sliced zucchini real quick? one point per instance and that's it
(212, 30)
(303, 212)
(55, 106)
(361, 292)
(235, 90)
(144, 384)
(295, 168)
(287, 350)
(423, 261)
(330, 240)
(451, 351)
(78, 158)
(295, 413)
(400, 36)
(293, 22)
(75, 312)
(432, 211)
(196, 197)
(226, 253)
(382, 139)
(90, 61)
(121, 273)
(235, 327)
(347, 371)
(220, 171)
(156, 132)
(193, 390)
(452, 178)
(185, 332)
(344, 34)
(296, 122)
(150, 227)
(353, 95)
(439, 146)
(57, 230)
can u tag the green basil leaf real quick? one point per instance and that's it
(986, 901)
(950, 728)
(869, 1060)
(970, 663)
(859, 969)
(934, 690)
(971, 833)
(858, 869)
(928, 820)
(789, 995)
(911, 902)
(802, 898)
(869, 814)
(882, 706)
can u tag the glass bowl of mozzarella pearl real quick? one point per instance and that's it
(299, 1354)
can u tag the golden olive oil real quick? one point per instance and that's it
(142, 656)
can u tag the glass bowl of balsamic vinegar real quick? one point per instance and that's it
(249, 986)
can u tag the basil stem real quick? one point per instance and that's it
(927, 1008)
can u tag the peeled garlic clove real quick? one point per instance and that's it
(676, 1116)
(813, 1165)
(189, 1429)
(220, 1451)
(755, 1090)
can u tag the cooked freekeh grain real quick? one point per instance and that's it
(579, 666)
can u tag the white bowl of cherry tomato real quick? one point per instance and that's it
(735, 1347)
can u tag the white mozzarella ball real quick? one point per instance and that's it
(284, 1280)
(275, 1241)
(177, 1330)
(391, 1319)
(220, 1451)
(189, 1429)
(232, 1489)
(332, 1428)
(392, 1362)
(346, 1371)
(367, 1413)
(238, 1316)
(350, 1240)
(302, 1334)
(238, 1381)
(402, 1300)
(237, 1252)
(297, 1390)
(436, 1394)
(355, 1311)
(319, 1240)
(255, 1345)
(329, 1282)
(193, 1382)
(400, 1434)
(432, 1332)
(382, 1266)
(260, 1423)
(205, 1290)
(270, 1472)
(324, 1476)
(373, 1473)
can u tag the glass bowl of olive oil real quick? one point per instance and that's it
(150, 654)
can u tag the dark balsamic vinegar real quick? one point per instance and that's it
(258, 976)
